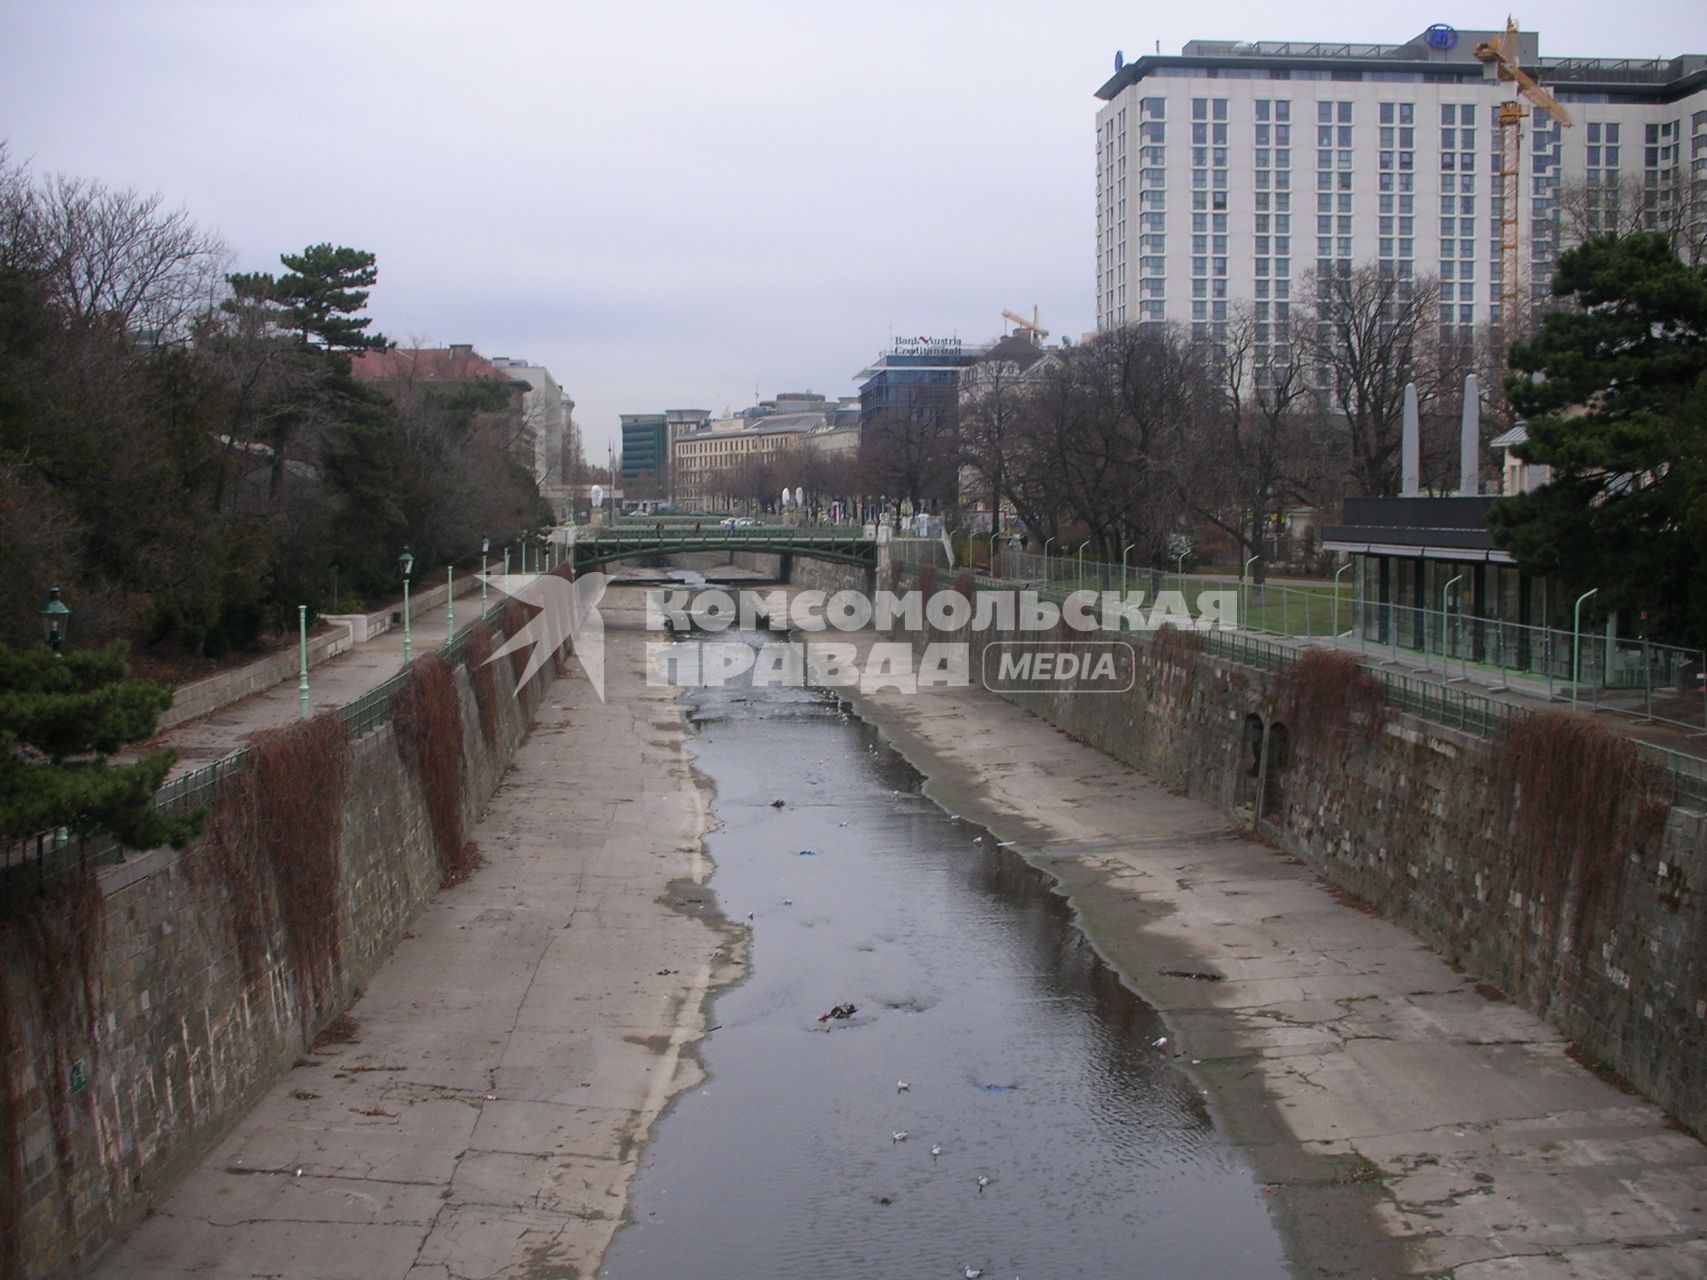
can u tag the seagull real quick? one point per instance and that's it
(983, 1182)
(749, 915)
(1158, 1042)
(936, 1150)
(972, 1273)
(900, 1135)
(901, 1086)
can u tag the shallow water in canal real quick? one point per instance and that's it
(1027, 1062)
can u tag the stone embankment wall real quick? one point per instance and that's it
(767, 563)
(1601, 927)
(147, 1006)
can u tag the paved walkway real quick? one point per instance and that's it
(512, 1054)
(331, 684)
(349, 675)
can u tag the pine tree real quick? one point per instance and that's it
(318, 296)
(61, 718)
(1615, 392)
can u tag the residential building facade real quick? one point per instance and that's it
(547, 412)
(1231, 172)
(706, 460)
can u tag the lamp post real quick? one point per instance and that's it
(485, 550)
(302, 662)
(1179, 570)
(1577, 643)
(1079, 566)
(406, 562)
(1124, 552)
(1046, 543)
(1247, 582)
(1445, 595)
(55, 619)
(450, 603)
(1337, 573)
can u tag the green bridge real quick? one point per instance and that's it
(591, 547)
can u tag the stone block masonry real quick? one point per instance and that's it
(190, 1020)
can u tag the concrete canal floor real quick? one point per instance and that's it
(509, 1063)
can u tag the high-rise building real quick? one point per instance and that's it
(1232, 171)
(645, 454)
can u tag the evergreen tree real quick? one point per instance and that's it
(318, 296)
(61, 718)
(1615, 392)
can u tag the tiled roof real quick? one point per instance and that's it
(422, 364)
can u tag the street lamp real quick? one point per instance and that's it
(1124, 552)
(1347, 565)
(1079, 566)
(1247, 582)
(525, 534)
(485, 550)
(1046, 543)
(302, 668)
(1445, 623)
(1577, 643)
(55, 618)
(450, 603)
(406, 562)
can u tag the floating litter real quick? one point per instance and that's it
(808, 853)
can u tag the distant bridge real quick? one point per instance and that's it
(591, 547)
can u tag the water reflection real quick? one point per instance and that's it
(1027, 1062)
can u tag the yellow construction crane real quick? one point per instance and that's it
(1502, 53)
(1032, 331)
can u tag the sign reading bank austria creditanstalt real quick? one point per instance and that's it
(927, 347)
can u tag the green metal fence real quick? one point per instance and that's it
(1444, 704)
(51, 853)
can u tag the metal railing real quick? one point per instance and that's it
(52, 853)
(1461, 646)
(1451, 705)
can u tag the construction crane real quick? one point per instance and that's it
(1032, 331)
(1502, 53)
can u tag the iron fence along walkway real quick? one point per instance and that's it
(52, 853)
(1479, 714)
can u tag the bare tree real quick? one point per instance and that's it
(909, 450)
(1258, 452)
(1366, 331)
(114, 257)
(1675, 206)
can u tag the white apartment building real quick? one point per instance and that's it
(1234, 170)
(546, 413)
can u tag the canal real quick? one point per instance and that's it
(1067, 1141)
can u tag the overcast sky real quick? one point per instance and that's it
(669, 205)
